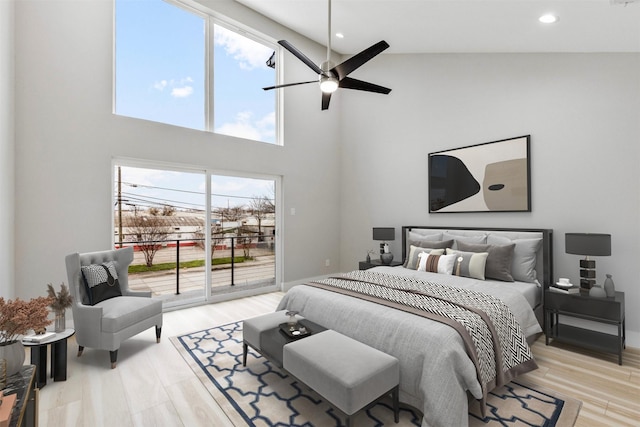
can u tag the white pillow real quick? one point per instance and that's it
(444, 266)
(412, 260)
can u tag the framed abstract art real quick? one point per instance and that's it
(490, 177)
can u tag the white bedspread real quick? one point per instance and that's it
(435, 372)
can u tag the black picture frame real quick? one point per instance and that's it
(489, 177)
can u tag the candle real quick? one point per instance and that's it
(386, 248)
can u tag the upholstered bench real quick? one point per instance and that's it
(347, 373)
(252, 328)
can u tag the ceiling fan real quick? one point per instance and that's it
(331, 76)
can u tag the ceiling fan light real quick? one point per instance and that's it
(548, 18)
(328, 84)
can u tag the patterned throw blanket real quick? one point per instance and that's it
(492, 336)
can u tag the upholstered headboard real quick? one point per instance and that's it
(521, 236)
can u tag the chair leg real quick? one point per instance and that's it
(113, 355)
(158, 332)
(80, 349)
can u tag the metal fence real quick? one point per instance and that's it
(251, 259)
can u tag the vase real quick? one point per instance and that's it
(597, 292)
(609, 287)
(60, 322)
(13, 353)
(386, 258)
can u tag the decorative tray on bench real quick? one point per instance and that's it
(299, 331)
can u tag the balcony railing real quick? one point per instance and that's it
(246, 260)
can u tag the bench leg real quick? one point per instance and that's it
(245, 349)
(396, 403)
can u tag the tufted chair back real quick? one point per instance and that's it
(120, 257)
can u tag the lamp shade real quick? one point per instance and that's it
(384, 233)
(587, 244)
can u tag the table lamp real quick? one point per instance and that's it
(587, 244)
(384, 234)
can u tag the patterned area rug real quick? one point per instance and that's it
(263, 395)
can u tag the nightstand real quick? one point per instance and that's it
(364, 265)
(603, 310)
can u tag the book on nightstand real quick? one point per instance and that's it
(36, 338)
(571, 290)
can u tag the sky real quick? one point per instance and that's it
(144, 187)
(160, 72)
(160, 76)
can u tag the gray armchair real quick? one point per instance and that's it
(106, 324)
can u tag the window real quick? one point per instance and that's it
(162, 67)
(179, 254)
(159, 73)
(240, 67)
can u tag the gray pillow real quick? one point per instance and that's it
(412, 257)
(421, 243)
(431, 244)
(474, 238)
(523, 265)
(498, 262)
(423, 232)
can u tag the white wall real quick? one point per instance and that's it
(361, 164)
(67, 137)
(7, 147)
(583, 114)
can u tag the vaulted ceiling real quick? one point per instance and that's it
(434, 26)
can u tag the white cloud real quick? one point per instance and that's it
(160, 85)
(248, 53)
(262, 129)
(181, 92)
(180, 88)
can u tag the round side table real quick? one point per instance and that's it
(39, 350)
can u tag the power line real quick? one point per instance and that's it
(200, 193)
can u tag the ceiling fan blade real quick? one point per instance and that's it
(349, 83)
(342, 70)
(326, 98)
(289, 84)
(301, 56)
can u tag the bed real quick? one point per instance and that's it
(439, 370)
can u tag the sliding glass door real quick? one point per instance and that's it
(197, 236)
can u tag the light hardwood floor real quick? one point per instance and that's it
(153, 386)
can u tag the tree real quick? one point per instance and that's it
(232, 214)
(217, 237)
(150, 232)
(244, 240)
(260, 207)
(168, 210)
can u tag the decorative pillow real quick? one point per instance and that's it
(425, 242)
(101, 282)
(498, 262)
(414, 252)
(469, 264)
(442, 264)
(523, 264)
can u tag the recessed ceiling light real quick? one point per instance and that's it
(548, 18)
(340, 35)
